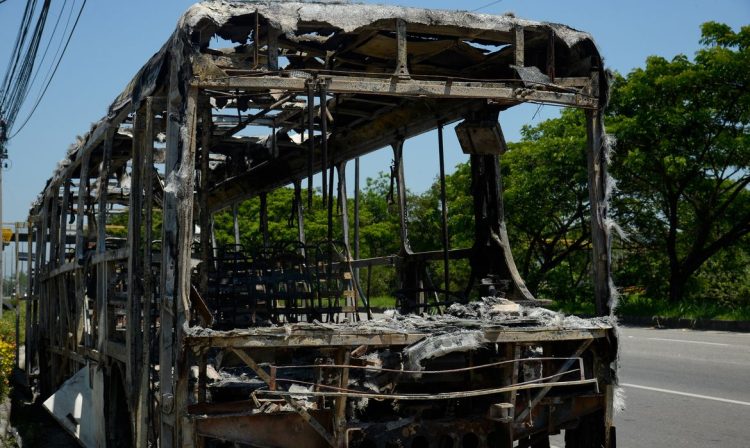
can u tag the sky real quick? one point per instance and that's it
(113, 40)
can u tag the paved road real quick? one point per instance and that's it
(684, 388)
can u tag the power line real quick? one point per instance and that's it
(49, 80)
(17, 48)
(16, 82)
(487, 5)
(24, 65)
(22, 84)
(62, 39)
(51, 37)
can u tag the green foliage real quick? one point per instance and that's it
(425, 221)
(117, 225)
(379, 235)
(546, 205)
(379, 219)
(379, 228)
(683, 165)
(7, 356)
(279, 211)
(684, 156)
(9, 284)
(724, 279)
(425, 228)
(8, 326)
(689, 308)
(7, 350)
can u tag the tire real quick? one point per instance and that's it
(588, 434)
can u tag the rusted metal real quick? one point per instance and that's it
(164, 307)
(134, 344)
(402, 70)
(433, 396)
(263, 218)
(288, 337)
(146, 396)
(264, 429)
(236, 224)
(540, 395)
(272, 46)
(443, 214)
(501, 91)
(600, 242)
(441, 372)
(300, 215)
(339, 413)
(311, 144)
(306, 416)
(400, 179)
(323, 99)
(519, 45)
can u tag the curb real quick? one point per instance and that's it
(5, 428)
(693, 324)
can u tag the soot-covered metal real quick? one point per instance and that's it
(175, 340)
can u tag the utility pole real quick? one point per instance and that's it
(17, 295)
(3, 156)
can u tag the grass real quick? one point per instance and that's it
(634, 305)
(383, 302)
(641, 306)
(576, 307)
(8, 324)
(637, 305)
(7, 350)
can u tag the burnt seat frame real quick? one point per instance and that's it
(343, 80)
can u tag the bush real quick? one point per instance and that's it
(636, 304)
(7, 350)
(7, 360)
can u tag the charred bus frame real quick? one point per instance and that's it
(125, 322)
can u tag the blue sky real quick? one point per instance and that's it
(113, 40)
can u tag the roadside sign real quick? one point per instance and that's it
(7, 235)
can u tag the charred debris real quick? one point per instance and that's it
(163, 337)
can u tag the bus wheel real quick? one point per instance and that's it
(588, 434)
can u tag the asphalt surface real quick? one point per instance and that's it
(684, 388)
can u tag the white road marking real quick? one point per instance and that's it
(686, 394)
(690, 342)
(717, 344)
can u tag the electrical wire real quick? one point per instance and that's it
(487, 5)
(51, 38)
(17, 86)
(65, 32)
(17, 48)
(54, 71)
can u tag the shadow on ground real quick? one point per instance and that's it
(35, 426)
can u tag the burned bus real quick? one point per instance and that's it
(157, 334)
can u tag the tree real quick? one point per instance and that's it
(425, 213)
(378, 219)
(684, 152)
(281, 226)
(379, 225)
(10, 289)
(546, 207)
(546, 204)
